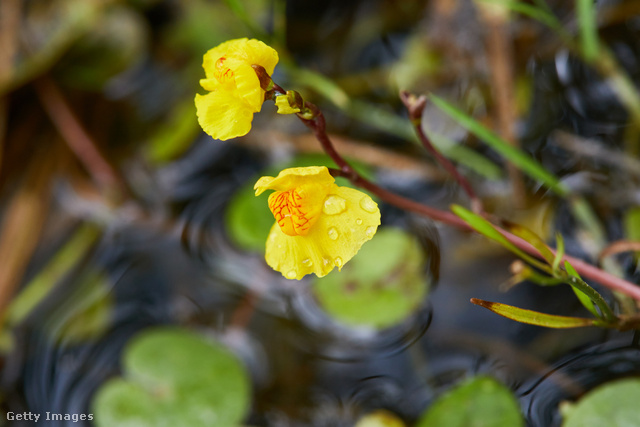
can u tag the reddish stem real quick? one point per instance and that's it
(75, 135)
(415, 107)
(346, 170)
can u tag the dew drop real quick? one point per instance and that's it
(292, 274)
(359, 221)
(307, 262)
(333, 233)
(368, 204)
(333, 205)
(370, 231)
(325, 261)
(338, 262)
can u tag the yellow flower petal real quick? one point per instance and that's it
(209, 84)
(248, 51)
(347, 218)
(222, 116)
(248, 86)
(294, 177)
(259, 53)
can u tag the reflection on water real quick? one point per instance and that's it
(574, 375)
(177, 265)
(305, 366)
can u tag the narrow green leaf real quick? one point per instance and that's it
(389, 122)
(534, 240)
(68, 257)
(584, 298)
(466, 157)
(559, 252)
(632, 223)
(588, 29)
(487, 229)
(524, 161)
(540, 279)
(533, 317)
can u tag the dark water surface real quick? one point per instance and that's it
(174, 263)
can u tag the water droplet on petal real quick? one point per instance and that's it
(325, 261)
(338, 262)
(359, 221)
(368, 204)
(370, 231)
(292, 274)
(333, 205)
(307, 262)
(333, 233)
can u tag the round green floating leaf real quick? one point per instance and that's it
(479, 402)
(381, 286)
(614, 404)
(174, 378)
(249, 219)
(121, 403)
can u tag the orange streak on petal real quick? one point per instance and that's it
(222, 72)
(290, 212)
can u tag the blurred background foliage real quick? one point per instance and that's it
(117, 213)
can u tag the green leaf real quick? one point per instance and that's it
(533, 317)
(478, 402)
(614, 404)
(632, 223)
(466, 157)
(174, 378)
(559, 252)
(66, 258)
(535, 241)
(539, 14)
(389, 122)
(524, 161)
(584, 298)
(381, 286)
(487, 229)
(248, 219)
(174, 136)
(588, 29)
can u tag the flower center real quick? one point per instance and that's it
(292, 212)
(222, 72)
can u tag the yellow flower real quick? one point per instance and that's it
(319, 225)
(234, 88)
